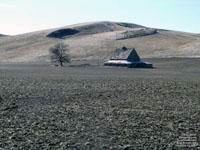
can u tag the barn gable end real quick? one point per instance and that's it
(133, 56)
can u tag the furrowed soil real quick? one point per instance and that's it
(86, 106)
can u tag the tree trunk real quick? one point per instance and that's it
(61, 63)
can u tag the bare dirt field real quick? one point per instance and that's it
(88, 106)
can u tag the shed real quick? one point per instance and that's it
(127, 57)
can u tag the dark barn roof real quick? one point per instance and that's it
(125, 54)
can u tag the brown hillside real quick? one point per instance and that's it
(97, 40)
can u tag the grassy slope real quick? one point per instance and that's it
(34, 46)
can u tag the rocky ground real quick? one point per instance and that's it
(96, 107)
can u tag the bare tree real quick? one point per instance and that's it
(60, 53)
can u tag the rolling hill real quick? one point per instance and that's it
(97, 40)
(2, 35)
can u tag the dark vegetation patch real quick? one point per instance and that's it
(63, 33)
(137, 33)
(2, 35)
(129, 25)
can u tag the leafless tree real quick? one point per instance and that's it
(60, 53)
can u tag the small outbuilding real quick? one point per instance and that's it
(127, 57)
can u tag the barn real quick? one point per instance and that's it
(127, 57)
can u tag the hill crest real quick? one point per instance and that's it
(97, 41)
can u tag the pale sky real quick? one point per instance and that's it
(21, 16)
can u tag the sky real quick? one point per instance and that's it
(22, 16)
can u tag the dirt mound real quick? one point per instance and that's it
(63, 33)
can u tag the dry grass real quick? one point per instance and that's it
(32, 47)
